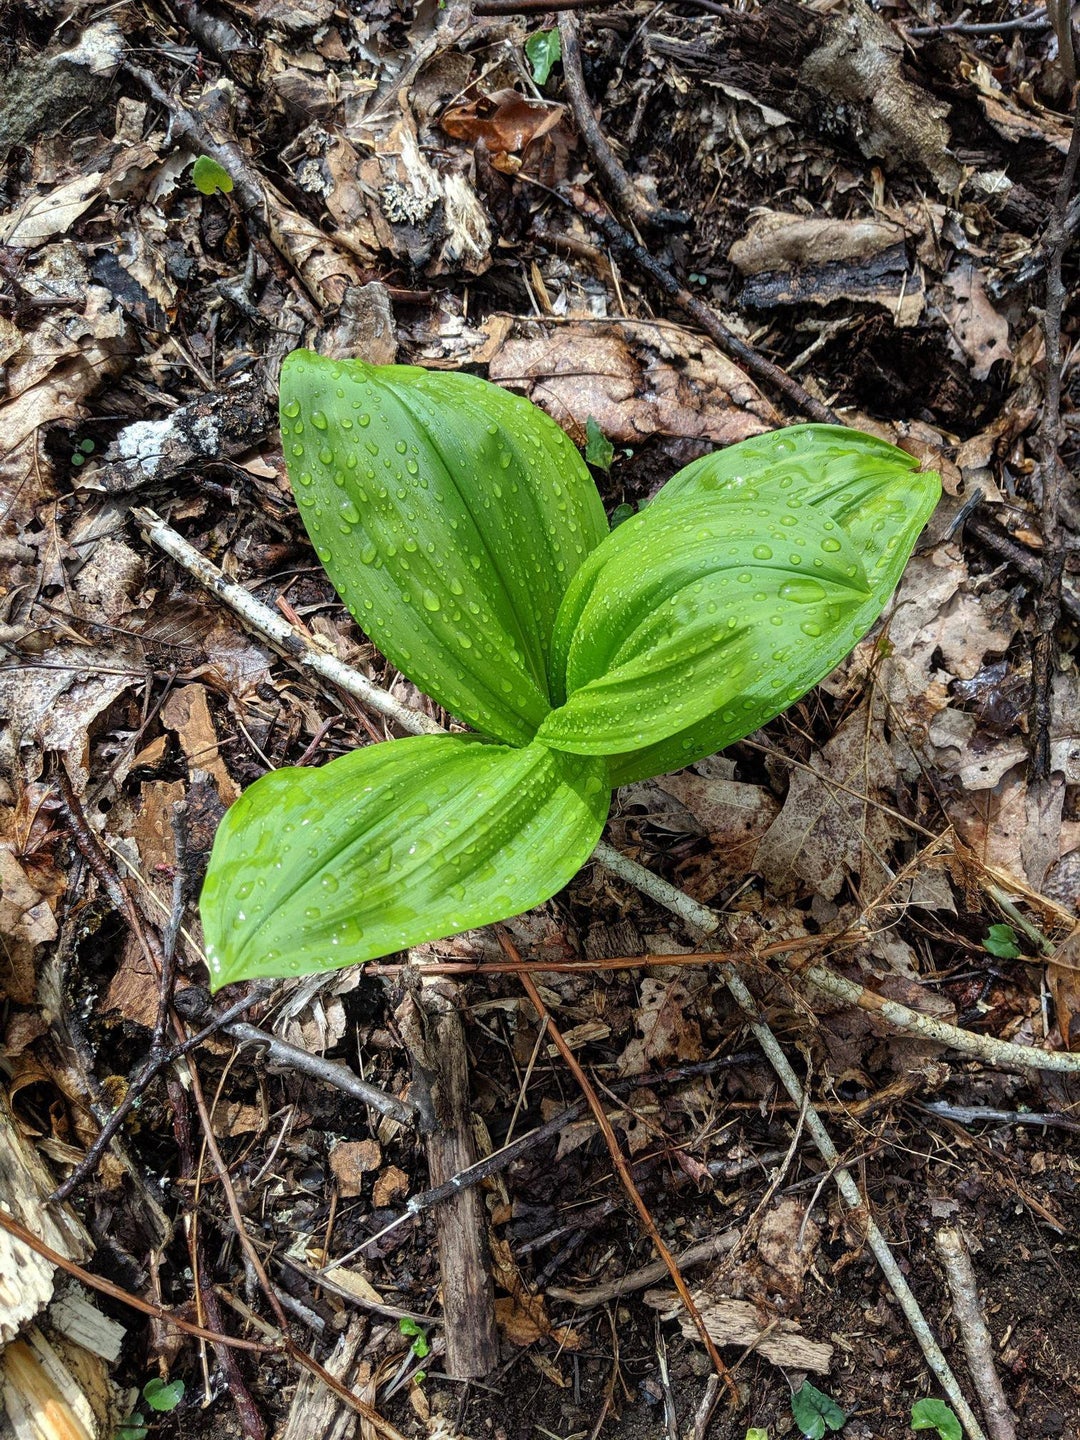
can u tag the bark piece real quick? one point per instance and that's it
(467, 1292)
(740, 1322)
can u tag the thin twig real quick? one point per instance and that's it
(621, 1167)
(330, 1072)
(974, 1334)
(989, 1115)
(626, 194)
(699, 1254)
(752, 360)
(1034, 20)
(260, 618)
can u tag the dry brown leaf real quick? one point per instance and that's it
(667, 1029)
(733, 814)
(825, 833)
(505, 122)
(635, 380)
(186, 711)
(27, 922)
(351, 1160)
(976, 331)
(522, 1317)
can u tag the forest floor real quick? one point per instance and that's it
(692, 224)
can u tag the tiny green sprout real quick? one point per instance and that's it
(132, 1427)
(162, 1395)
(599, 450)
(411, 1329)
(1001, 941)
(755, 1433)
(543, 49)
(620, 513)
(209, 177)
(82, 450)
(936, 1415)
(467, 538)
(815, 1411)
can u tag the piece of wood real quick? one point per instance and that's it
(54, 1365)
(468, 1299)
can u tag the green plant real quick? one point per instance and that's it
(543, 50)
(1001, 941)
(814, 1411)
(82, 451)
(599, 450)
(420, 1348)
(209, 177)
(132, 1427)
(465, 534)
(936, 1415)
(162, 1395)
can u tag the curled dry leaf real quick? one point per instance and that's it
(635, 380)
(505, 122)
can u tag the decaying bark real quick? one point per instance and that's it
(468, 1299)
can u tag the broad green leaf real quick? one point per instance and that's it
(814, 1411)
(163, 1396)
(392, 845)
(209, 177)
(707, 610)
(661, 637)
(450, 515)
(825, 465)
(1000, 940)
(544, 49)
(936, 1415)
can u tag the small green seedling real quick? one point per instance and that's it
(757, 1434)
(467, 537)
(82, 450)
(599, 450)
(209, 177)
(815, 1412)
(543, 51)
(162, 1395)
(1001, 941)
(420, 1349)
(936, 1415)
